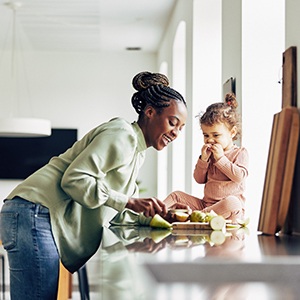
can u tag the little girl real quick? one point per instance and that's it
(222, 165)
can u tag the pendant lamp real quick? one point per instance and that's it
(12, 125)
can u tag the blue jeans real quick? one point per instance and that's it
(26, 235)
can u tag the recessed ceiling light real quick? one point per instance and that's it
(133, 48)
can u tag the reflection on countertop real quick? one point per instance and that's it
(144, 263)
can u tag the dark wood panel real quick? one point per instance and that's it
(276, 170)
(279, 177)
(289, 169)
(289, 77)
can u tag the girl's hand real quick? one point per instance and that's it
(217, 151)
(206, 152)
(149, 206)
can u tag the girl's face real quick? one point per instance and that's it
(219, 133)
(161, 129)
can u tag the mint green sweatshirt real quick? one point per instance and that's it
(86, 186)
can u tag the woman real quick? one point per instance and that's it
(58, 212)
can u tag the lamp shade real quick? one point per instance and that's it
(24, 127)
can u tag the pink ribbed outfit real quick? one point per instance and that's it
(224, 185)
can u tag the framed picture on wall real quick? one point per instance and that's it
(229, 86)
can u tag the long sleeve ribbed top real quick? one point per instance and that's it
(224, 177)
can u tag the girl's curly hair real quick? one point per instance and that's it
(223, 112)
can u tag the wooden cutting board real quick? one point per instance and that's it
(280, 170)
(279, 175)
(289, 77)
(288, 175)
(190, 225)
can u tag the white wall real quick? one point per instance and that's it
(182, 12)
(82, 90)
(263, 45)
(292, 38)
(207, 70)
(248, 48)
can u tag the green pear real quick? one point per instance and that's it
(217, 223)
(243, 223)
(198, 216)
(217, 237)
(210, 215)
(159, 222)
(181, 216)
(157, 235)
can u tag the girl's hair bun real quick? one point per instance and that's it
(144, 80)
(230, 100)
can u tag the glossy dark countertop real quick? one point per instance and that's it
(144, 263)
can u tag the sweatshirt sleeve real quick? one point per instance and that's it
(200, 171)
(89, 177)
(237, 170)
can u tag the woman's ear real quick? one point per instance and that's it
(149, 111)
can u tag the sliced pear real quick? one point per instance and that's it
(198, 216)
(217, 223)
(243, 230)
(217, 237)
(243, 223)
(199, 239)
(159, 222)
(157, 235)
(181, 216)
(210, 215)
(232, 226)
(181, 240)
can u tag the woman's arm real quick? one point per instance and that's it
(87, 179)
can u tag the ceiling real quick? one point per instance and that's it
(87, 25)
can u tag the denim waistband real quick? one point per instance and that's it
(18, 201)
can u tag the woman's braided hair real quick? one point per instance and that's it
(223, 112)
(153, 89)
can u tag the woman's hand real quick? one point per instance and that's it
(149, 206)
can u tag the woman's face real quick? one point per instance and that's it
(161, 129)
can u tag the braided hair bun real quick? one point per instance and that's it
(143, 80)
(153, 89)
